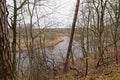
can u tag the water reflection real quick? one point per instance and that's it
(56, 53)
(59, 51)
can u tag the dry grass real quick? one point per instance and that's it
(110, 71)
(48, 43)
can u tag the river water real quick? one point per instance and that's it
(57, 52)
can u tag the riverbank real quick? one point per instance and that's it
(47, 43)
(51, 43)
(22, 44)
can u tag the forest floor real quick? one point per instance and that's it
(110, 72)
(107, 71)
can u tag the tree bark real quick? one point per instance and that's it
(5, 61)
(71, 37)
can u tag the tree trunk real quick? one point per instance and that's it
(71, 37)
(5, 62)
(14, 39)
(100, 29)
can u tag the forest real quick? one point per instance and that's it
(59, 39)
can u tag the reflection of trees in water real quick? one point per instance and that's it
(58, 52)
(54, 55)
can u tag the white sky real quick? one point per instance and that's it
(67, 9)
(64, 12)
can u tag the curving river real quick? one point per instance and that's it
(58, 52)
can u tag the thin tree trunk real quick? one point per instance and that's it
(5, 61)
(71, 37)
(100, 31)
(14, 40)
(87, 51)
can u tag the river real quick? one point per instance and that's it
(59, 51)
(56, 53)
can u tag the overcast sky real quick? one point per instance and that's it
(64, 11)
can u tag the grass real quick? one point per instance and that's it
(52, 39)
(48, 43)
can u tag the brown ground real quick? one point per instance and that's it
(107, 71)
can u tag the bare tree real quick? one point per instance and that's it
(71, 37)
(100, 7)
(5, 60)
(13, 26)
(31, 47)
(87, 37)
(115, 6)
